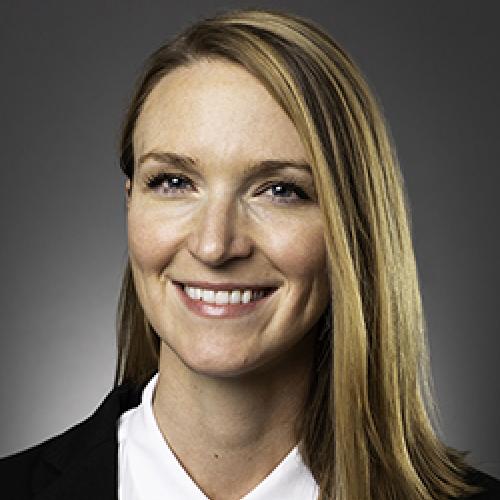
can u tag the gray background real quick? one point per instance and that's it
(67, 70)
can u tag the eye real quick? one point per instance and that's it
(168, 183)
(286, 192)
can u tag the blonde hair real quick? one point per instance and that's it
(370, 428)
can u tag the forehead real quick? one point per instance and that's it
(215, 110)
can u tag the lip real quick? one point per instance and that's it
(220, 311)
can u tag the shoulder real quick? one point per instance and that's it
(489, 484)
(90, 443)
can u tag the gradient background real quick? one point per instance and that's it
(67, 71)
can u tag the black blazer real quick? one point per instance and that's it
(82, 463)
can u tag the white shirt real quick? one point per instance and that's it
(148, 470)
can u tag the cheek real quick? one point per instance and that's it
(298, 249)
(152, 237)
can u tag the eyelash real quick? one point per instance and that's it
(156, 181)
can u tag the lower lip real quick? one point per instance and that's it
(207, 310)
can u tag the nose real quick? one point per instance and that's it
(219, 235)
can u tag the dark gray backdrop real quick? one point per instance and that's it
(67, 70)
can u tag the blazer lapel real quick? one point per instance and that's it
(82, 463)
(93, 477)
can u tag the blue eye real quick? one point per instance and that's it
(281, 191)
(287, 192)
(168, 182)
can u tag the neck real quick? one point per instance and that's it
(230, 432)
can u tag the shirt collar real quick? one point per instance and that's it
(149, 469)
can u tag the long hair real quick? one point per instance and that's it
(370, 431)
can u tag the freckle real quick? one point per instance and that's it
(215, 455)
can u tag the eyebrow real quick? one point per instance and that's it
(190, 164)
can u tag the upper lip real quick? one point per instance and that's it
(206, 285)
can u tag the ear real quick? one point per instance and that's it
(128, 191)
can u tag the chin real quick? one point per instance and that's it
(220, 367)
(219, 363)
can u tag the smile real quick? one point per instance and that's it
(215, 302)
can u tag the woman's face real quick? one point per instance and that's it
(222, 199)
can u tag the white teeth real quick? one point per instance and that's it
(208, 296)
(223, 297)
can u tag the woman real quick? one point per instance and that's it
(271, 334)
